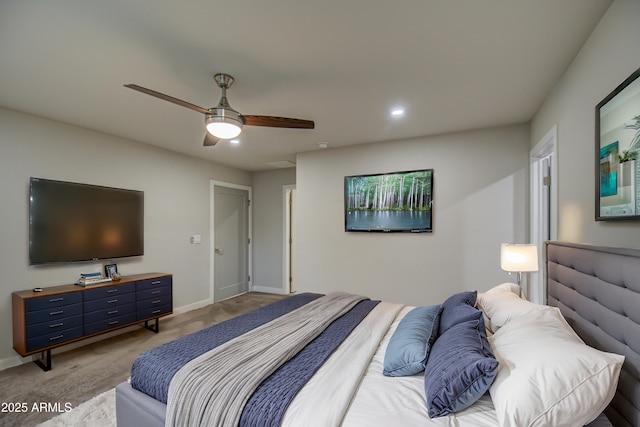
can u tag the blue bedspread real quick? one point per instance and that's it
(267, 405)
(152, 371)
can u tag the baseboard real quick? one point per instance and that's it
(193, 306)
(10, 362)
(268, 290)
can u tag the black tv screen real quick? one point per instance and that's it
(389, 202)
(72, 222)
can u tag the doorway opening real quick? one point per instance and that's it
(289, 268)
(543, 207)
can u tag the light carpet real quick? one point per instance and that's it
(99, 412)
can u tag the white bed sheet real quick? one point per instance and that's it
(325, 398)
(351, 391)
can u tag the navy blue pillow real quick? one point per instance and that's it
(460, 369)
(410, 343)
(458, 308)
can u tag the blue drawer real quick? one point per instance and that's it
(109, 291)
(54, 338)
(154, 283)
(43, 303)
(154, 292)
(156, 311)
(115, 322)
(109, 302)
(53, 326)
(53, 313)
(109, 313)
(153, 302)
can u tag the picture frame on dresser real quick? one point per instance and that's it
(617, 134)
(111, 271)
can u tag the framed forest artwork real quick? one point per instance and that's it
(389, 202)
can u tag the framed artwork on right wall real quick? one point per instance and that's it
(617, 152)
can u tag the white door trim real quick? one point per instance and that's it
(213, 183)
(545, 150)
(286, 247)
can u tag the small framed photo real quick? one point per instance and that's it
(111, 270)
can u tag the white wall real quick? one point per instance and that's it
(176, 189)
(608, 57)
(268, 228)
(480, 200)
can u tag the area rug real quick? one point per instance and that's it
(99, 412)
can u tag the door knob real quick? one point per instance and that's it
(220, 251)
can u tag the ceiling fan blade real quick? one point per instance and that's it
(168, 98)
(210, 140)
(278, 122)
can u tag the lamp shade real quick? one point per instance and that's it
(519, 257)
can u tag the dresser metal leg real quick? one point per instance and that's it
(155, 328)
(44, 361)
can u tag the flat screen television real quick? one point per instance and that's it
(73, 222)
(389, 202)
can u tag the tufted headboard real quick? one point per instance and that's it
(598, 291)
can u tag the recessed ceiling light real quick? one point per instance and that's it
(397, 112)
(235, 141)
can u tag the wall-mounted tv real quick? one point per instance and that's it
(73, 222)
(389, 202)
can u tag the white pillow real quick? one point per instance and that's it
(506, 287)
(547, 376)
(502, 303)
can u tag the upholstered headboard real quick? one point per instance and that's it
(598, 291)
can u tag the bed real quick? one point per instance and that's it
(467, 361)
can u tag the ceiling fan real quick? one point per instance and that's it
(222, 121)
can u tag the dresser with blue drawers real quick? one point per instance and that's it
(62, 314)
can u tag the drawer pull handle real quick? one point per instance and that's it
(156, 282)
(56, 299)
(156, 301)
(53, 313)
(115, 322)
(156, 311)
(112, 301)
(56, 338)
(55, 325)
(156, 292)
(112, 312)
(112, 290)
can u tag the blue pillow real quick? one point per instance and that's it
(460, 369)
(458, 308)
(409, 345)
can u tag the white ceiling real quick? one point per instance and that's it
(452, 64)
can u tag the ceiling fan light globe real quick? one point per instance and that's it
(224, 130)
(223, 126)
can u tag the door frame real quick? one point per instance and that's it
(212, 184)
(287, 256)
(547, 147)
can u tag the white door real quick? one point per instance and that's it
(230, 242)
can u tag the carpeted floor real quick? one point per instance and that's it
(97, 412)
(82, 373)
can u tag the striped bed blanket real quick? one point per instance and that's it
(254, 405)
